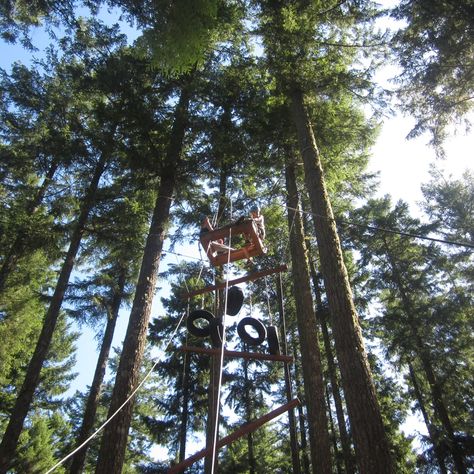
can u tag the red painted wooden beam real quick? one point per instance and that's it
(242, 431)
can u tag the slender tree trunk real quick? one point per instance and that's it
(114, 440)
(17, 247)
(215, 369)
(432, 432)
(25, 395)
(301, 417)
(420, 349)
(308, 335)
(185, 409)
(92, 403)
(341, 420)
(334, 435)
(371, 443)
(295, 461)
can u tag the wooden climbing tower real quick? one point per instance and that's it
(221, 246)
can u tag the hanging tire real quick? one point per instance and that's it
(235, 300)
(193, 317)
(216, 329)
(257, 325)
(273, 340)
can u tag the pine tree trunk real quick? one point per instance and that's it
(25, 395)
(92, 403)
(432, 432)
(17, 247)
(114, 441)
(334, 435)
(308, 335)
(295, 461)
(371, 442)
(439, 405)
(301, 417)
(341, 421)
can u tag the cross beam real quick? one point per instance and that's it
(242, 431)
(248, 277)
(236, 354)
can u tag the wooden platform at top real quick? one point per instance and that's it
(247, 228)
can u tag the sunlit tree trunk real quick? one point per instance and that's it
(308, 335)
(321, 314)
(301, 418)
(114, 440)
(295, 460)
(92, 403)
(371, 442)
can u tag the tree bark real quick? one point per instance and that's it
(114, 441)
(25, 395)
(295, 461)
(334, 435)
(92, 403)
(371, 443)
(341, 421)
(301, 417)
(321, 315)
(308, 335)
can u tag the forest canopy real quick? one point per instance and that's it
(260, 114)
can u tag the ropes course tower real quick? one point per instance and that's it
(242, 240)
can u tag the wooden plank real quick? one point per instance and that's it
(248, 277)
(244, 227)
(243, 253)
(237, 354)
(242, 431)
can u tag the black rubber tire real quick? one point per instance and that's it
(273, 340)
(199, 314)
(257, 325)
(235, 300)
(216, 329)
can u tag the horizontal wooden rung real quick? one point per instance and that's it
(237, 354)
(248, 277)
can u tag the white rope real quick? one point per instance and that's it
(93, 435)
(268, 301)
